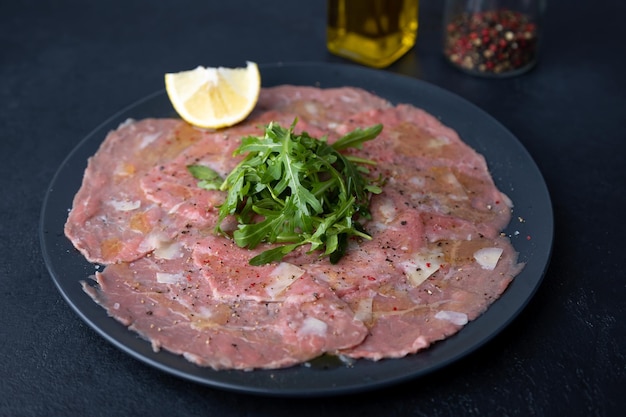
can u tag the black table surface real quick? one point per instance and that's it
(68, 65)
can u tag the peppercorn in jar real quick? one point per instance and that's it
(492, 38)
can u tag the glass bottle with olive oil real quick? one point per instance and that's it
(372, 32)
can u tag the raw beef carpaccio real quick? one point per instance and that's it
(436, 260)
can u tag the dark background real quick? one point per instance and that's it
(68, 65)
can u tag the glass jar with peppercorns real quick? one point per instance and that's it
(492, 38)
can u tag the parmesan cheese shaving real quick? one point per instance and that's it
(312, 327)
(168, 250)
(421, 267)
(438, 142)
(152, 240)
(165, 278)
(388, 210)
(282, 277)
(488, 258)
(364, 310)
(125, 205)
(148, 139)
(453, 317)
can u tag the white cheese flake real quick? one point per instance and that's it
(152, 240)
(364, 310)
(488, 258)
(311, 108)
(312, 327)
(282, 277)
(455, 317)
(438, 142)
(165, 278)
(422, 266)
(148, 139)
(125, 205)
(168, 250)
(388, 210)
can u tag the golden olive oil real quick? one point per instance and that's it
(372, 32)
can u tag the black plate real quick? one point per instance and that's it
(513, 170)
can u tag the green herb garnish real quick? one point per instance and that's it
(295, 190)
(209, 179)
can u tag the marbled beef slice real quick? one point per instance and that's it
(436, 259)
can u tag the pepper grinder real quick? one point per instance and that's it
(492, 38)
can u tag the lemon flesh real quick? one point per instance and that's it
(214, 97)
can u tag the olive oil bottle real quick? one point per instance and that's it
(372, 32)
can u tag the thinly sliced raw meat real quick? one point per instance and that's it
(435, 261)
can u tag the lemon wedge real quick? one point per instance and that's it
(214, 97)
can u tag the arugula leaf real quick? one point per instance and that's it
(356, 138)
(293, 190)
(209, 179)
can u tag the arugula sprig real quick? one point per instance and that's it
(294, 190)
